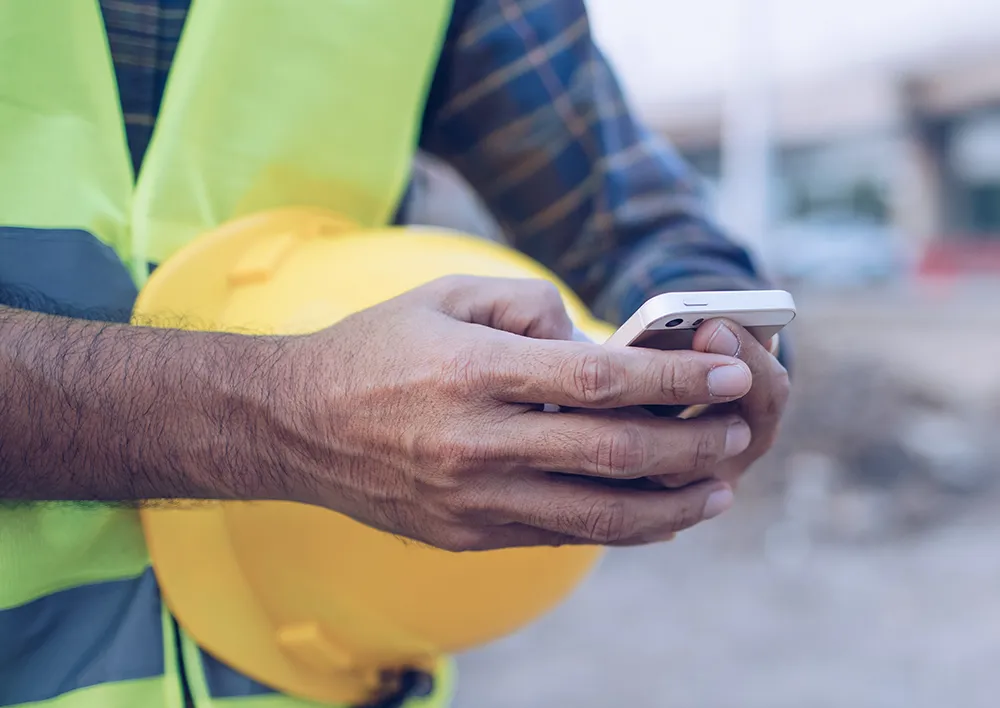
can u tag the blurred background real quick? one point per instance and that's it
(856, 145)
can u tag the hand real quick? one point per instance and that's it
(422, 416)
(763, 406)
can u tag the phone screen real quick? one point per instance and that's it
(680, 339)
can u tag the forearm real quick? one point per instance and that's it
(97, 411)
(578, 181)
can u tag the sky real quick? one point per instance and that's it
(671, 49)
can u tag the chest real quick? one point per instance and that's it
(143, 37)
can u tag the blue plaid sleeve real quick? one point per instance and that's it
(526, 107)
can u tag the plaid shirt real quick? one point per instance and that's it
(526, 108)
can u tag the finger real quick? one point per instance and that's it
(522, 536)
(580, 375)
(763, 405)
(627, 447)
(507, 536)
(590, 513)
(527, 307)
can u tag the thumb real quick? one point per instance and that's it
(527, 307)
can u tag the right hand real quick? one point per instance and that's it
(422, 416)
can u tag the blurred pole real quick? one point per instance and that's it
(746, 127)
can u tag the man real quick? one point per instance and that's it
(526, 108)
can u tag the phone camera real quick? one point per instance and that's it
(675, 323)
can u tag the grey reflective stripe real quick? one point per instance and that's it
(224, 682)
(81, 637)
(63, 271)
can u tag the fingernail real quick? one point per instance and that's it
(737, 438)
(723, 341)
(728, 381)
(717, 503)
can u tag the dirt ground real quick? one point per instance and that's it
(751, 612)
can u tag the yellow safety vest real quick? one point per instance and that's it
(269, 103)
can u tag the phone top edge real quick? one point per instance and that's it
(768, 308)
(708, 301)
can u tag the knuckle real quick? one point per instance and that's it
(608, 522)
(546, 292)
(441, 290)
(452, 283)
(679, 513)
(593, 379)
(549, 317)
(442, 481)
(451, 292)
(676, 382)
(707, 450)
(551, 301)
(473, 503)
(450, 459)
(685, 516)
(462, 540)
(619, 453)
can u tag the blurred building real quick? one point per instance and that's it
(880, 121)
(916, 149)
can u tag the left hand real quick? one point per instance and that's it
(761, 408)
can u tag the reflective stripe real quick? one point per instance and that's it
(215, 685)
(69, 271)
(224, 682)
(81, 637)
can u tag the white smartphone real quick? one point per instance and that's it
(669, 322)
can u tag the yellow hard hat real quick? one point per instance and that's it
(298, 597)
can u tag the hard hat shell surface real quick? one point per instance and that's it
(299, 597)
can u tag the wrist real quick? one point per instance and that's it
(231, 405)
